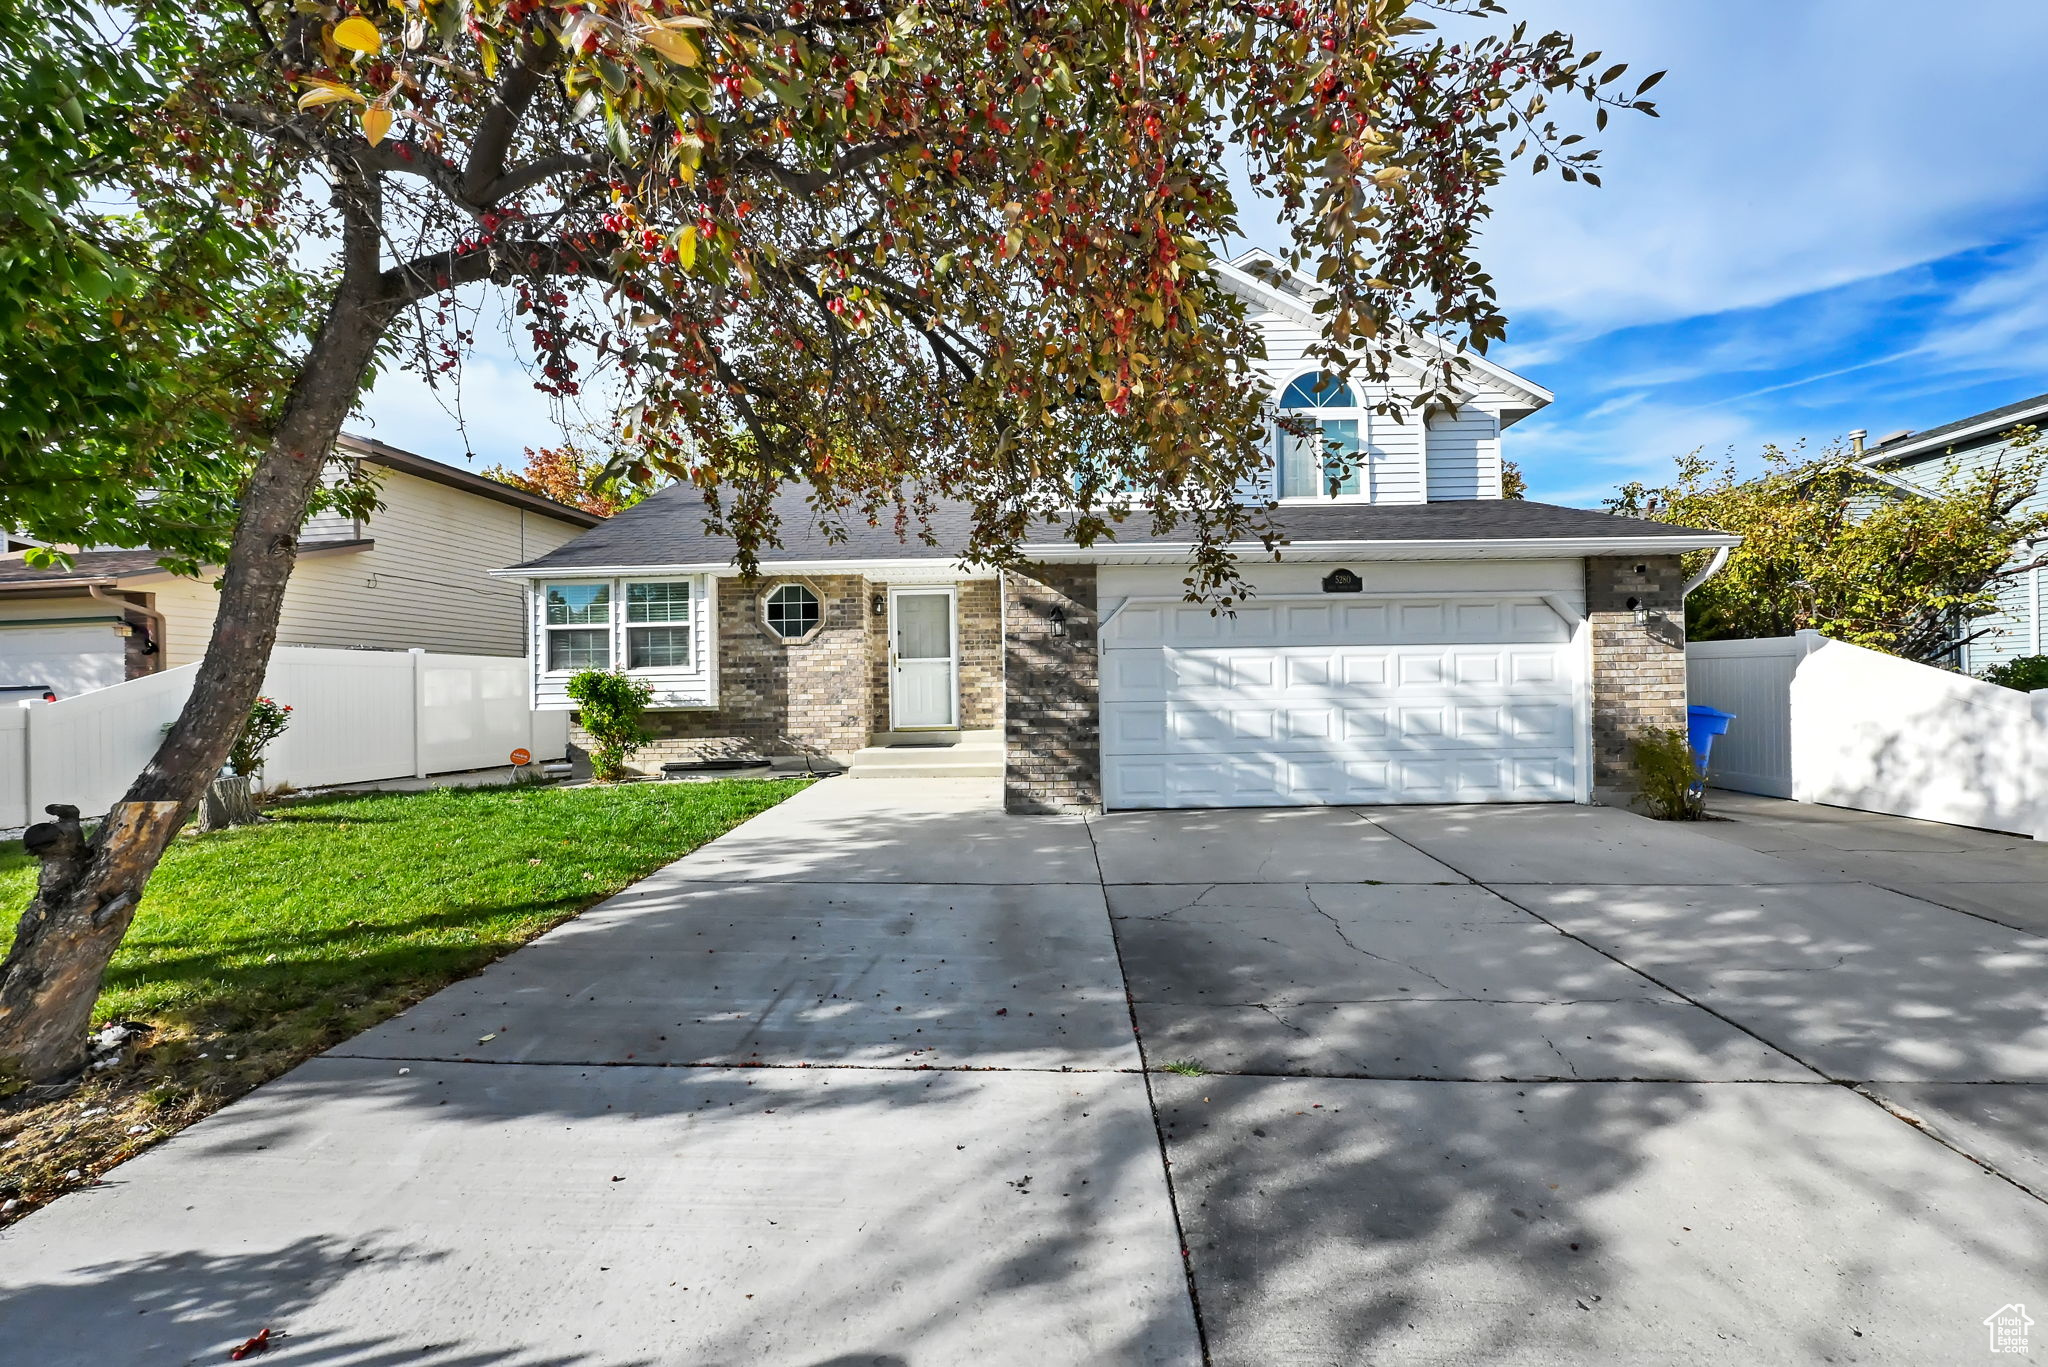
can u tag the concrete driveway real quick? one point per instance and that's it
(858, 1084)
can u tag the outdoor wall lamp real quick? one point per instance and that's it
(879, 605)
(1057, 620)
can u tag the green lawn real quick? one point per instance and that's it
(257, 947)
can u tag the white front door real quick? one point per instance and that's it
(923, 659)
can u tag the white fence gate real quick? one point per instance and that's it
(1824, 721)
(357, 716)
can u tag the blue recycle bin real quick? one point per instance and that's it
(1702, 724)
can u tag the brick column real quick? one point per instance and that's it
(1052, 706)
(1638, 667)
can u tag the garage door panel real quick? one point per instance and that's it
(1140, 730)
(1156, 675)
(1276, 781)
(1337, 621)
(1340, 701)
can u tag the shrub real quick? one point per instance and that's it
(2026, 673)
(1667, 777)
(268, 719)
(611, 705)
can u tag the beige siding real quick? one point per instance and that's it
(74, 605)
(424, 582)
(188, 607)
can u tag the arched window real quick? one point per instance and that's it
(1318, 391)
(1326, 463)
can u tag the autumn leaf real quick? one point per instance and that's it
(329, 92)
(672, 45)
(359, 35)
(376, 123)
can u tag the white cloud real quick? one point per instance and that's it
(1801, 146)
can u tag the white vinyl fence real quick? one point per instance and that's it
(357, 716)
(1824, 721)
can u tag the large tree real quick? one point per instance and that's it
(896, 251)
(1829, 545)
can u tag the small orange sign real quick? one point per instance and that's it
(522, 756)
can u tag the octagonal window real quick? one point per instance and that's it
(792, 611)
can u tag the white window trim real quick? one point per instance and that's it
(548, 630)
(1283, 439)
(703, 653)
(625, 626)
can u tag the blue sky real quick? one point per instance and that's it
(1840, 221)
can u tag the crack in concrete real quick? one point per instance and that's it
(1308, 891)
(1569, 1065)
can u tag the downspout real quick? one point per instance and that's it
(156, 618)
(1707, 571)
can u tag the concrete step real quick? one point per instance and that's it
(927, 739)
(979, 759)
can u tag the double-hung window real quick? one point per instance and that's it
(1329, 460)
(640, 624)
(658, 625)
(578, 623)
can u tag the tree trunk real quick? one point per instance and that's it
(89, 885)
(229, 801)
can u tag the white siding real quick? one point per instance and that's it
(1464, 455)
(1458, 458)
(695, 686)
(2014, 629)
(1396, 471)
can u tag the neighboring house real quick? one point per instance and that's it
(1423, 640)
(416, 572)
(1963, 448)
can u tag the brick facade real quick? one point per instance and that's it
(981, 655)
(825, 696)
(1052, 711)
(775, 697)
(1638, 667)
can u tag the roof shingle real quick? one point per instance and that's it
(667, 530)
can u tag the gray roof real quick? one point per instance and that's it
(667, 529)
(1930, 441)
(111, 567)
(87, 567)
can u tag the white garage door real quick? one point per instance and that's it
(1338, 700)
(69, 658)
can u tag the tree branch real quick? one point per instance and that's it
(501, 120)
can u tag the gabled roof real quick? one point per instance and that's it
(665, 532)
(405, 462)
(1260, 279)
(1980, 427)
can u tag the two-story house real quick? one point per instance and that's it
(1957, 450)
(1422, 640)
(416, 572)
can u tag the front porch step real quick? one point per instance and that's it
(892, 739)
(930, 754)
